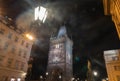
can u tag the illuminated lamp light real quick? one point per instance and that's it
(12, 79)
(41, 13)
(29, 36)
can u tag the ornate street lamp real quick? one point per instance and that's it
(41, 13)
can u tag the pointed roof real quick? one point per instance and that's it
(62, 31)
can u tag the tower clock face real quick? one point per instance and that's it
(58, 56)
(57, 53)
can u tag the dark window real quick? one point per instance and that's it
(20, 52)
(22, 43)
(115, 58)
(10, 35)
(27, 45)
(1, 59)
(2, 31)
(13, 50)
(118, 78)
(24, 55)
(117, 68)
(5, 46)
(9, 62)
(22, 66)
(17, 64)
(16, 39)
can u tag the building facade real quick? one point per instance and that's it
(14, 52)
(112, 7)
(112, 61)
(60, 57)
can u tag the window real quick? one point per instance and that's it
(52, 47)
(24, 55)
(115, 58)
(118, 78)
(20, 52)
(16, 39)
(22, 43)
(5, 46)
(117, 68)
(22, 66)
(61, 45)
(17, 64)
(57, 45)
(13, 50)
(27, 45)
(10, 35)
(9, 62)
(4, 78)
(1, 59)
(2, 31)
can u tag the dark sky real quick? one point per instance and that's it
(91, 31)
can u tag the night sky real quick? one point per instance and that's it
(91, 31)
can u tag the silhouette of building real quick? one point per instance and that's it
(15, 50)
(112, 61)
(60, 57)
(89, 72)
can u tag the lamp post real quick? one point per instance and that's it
(46, 73)
(72, 79)
(95, 73)
(29, 73)
(41, 78)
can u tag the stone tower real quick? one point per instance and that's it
(60, 57)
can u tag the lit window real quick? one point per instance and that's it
(57, 46)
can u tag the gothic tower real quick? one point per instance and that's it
(60, 57)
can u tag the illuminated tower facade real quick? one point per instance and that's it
(60, 57)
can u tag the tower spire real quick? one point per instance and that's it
(62, 31)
